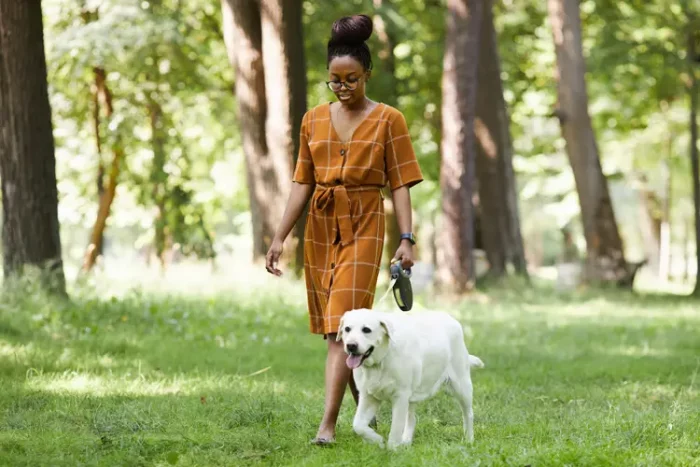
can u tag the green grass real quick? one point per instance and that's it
(237, 379)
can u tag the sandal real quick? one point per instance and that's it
(322, 441)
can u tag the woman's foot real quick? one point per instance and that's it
(322, 441)
(324, 436)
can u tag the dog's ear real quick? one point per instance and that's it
(339, 334)
(388, 327)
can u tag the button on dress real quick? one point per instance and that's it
(344, 235)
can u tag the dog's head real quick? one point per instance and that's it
(366, 335)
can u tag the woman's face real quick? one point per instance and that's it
(347, 72)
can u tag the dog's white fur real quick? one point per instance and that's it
(414, 354)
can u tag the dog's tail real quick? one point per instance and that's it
(475, 362)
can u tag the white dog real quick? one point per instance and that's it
(405, 358)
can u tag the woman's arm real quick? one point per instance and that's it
(403, 172)
(298, 197)
(402, 206)
(404, 217)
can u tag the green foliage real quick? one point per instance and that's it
(169, 53)
(636, 75)
(172, 52)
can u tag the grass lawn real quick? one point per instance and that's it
(236, 379)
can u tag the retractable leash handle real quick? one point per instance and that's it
(403, 292)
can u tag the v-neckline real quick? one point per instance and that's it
(352, 135)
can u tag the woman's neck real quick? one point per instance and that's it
(358, 106)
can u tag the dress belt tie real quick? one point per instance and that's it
(339, 195)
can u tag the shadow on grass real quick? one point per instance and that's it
(544, 292)
(226, 428)
(238, 337)
(240, 380)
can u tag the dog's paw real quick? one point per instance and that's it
(395, 445)
(377, 441)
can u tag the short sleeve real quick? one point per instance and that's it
(401, 163)
(304, 171)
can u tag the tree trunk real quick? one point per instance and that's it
(99, 181)
(650, 224)
(459, 85)
(388, 77)
(158, 180)
(665, 227)
(30, 231)
(605, 260)
(498, 199)
(96, 93)
(243, 37)
(106, 197)
(285, 86)
(693, 90)
(687, 252)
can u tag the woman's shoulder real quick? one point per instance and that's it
(393, 118)
(316, 111)
(392, 113)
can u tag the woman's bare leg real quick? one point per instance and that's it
(338, 376)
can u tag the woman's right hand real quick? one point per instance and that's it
(298, 197)
(273, 256)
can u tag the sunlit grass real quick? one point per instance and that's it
(230, 376)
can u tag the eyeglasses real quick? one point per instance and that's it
(336, 86)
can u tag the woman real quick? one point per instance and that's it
(348, 151)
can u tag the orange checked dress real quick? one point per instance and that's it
(344, 235)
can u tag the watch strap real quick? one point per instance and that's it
(410, 237)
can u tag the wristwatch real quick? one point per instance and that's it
(410, 237)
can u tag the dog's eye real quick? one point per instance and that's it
(366, 330)
(347, 329)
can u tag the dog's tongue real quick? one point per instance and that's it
(353, 361)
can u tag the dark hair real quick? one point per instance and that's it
(348, 36)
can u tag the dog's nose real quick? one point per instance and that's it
(351, 348)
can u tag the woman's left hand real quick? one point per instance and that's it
(404, 253)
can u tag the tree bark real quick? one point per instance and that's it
(285, 86)
(650, 224)
(665, 227)
(30, 231)
(106, 197)
(498, 198)
(694, 165)
(99, 181)
(158, 181)
(686, 252)
(458, 147)
(96, 93)
(243, 37)
(605, 260)
(388, 75)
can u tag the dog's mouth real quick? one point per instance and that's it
(356, 360)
